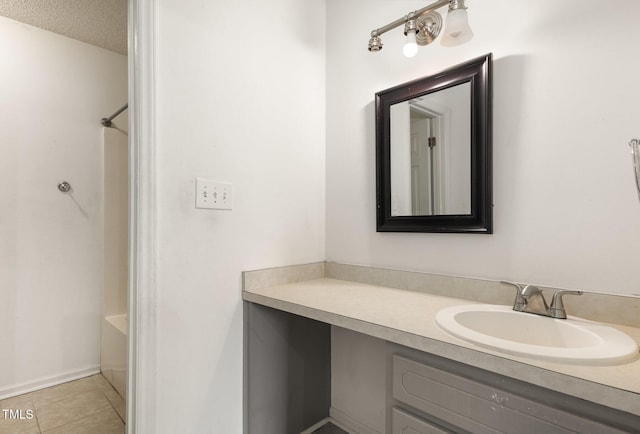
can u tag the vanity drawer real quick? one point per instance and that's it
(478, 407)
(405, 423)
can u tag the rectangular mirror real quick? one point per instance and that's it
(433, 148)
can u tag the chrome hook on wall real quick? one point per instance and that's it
(635, 152)
(64, 186)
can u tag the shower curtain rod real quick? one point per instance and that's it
(107, 121)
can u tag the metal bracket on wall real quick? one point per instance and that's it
(64, 186)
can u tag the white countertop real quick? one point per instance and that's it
(407, 318)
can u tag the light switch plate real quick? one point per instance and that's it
(213, 194)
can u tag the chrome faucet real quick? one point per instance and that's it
(557, 306)
(530, 299)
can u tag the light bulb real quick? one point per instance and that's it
(456, 28)
(410, 47)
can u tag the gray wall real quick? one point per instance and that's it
(287, 371)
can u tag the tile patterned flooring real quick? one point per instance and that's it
(86, 406)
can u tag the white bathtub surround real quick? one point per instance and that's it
(113, 350)
(406, 316)
(115, 208)
(113, 360)
(54, 91)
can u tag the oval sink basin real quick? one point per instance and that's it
(572, 340)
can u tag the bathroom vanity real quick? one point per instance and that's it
(430, 381)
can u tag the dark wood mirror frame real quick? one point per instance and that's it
(477, 72)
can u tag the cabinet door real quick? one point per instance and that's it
(405, 423)
(480, 408)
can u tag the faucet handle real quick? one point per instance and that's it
(557, 306)
(520, 302)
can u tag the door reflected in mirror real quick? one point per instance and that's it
(431, 153)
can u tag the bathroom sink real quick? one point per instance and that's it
(572, 340)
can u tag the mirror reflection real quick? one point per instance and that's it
(430, 152)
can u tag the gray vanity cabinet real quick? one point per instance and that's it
(288, 387)
(429, 399)
(406, 423)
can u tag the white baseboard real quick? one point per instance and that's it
(349, 424)
(43, 382)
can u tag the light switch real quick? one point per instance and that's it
(213, 194)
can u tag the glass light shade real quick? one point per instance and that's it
(456, 28)
(410, 47)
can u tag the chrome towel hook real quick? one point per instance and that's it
(64, 186)
(635, 151)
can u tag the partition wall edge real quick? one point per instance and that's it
(141, 382)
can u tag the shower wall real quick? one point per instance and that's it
(113, 354)
(53, 92)
(116, 214)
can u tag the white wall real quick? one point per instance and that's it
(240, 97)
(54, 91)
(565, 106)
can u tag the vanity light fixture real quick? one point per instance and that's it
(457, 30)
(423, 26)
(410, 48)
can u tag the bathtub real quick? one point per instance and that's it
(113, 355)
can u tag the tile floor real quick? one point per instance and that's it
(86, 406)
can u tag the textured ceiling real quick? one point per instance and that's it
(96, 22)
